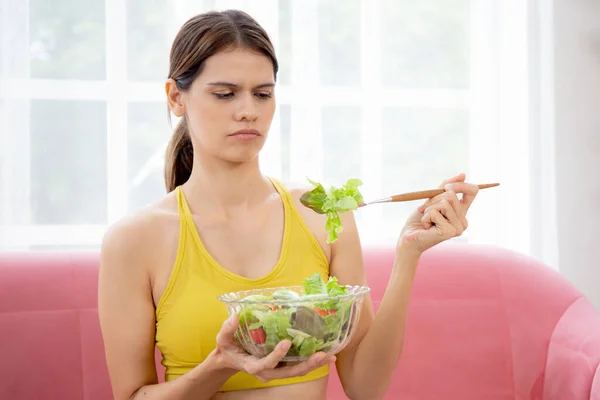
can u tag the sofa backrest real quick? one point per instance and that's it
(480, 325)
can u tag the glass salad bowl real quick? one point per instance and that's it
(317, 316)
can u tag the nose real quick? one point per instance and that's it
(247, 109)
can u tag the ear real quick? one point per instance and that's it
(175, 98)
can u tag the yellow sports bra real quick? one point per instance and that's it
(189, 316)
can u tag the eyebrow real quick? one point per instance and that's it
(233, 85)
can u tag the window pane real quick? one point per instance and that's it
(341, 144)
(284, 48)
(148, 134)
(425, 43)
(67, 39)
(68, 162)
(421, 147)
(285, 118)
(147, 44)
(339, 42)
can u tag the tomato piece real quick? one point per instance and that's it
(321, 312)
(258, 335)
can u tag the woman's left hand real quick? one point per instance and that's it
(439, 218)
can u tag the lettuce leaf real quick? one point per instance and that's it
(315, 198)
(309, 346)
(314, 285)
(332, 202)
(275, 324)
(334, 288)
(285, 294)
(317, 325)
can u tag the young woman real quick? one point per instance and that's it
(225, 227)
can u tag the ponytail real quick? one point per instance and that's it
(179, 157)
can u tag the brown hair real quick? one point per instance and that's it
(199, 38)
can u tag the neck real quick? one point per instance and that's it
(219, 184)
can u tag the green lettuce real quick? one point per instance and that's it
(311, 326)
(334, 288)
(275, 324)
(314, 285)
(332, 202)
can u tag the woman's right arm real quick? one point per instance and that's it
(127, 319)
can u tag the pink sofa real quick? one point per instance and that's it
(484, 324)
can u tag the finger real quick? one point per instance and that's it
(426, 220)
(458, 207)
(315, 361)
(442, 226)
(446, 195)
(458, 178)
(225, 335)
(446, 209)
(430, 202)
(274, 357)
(468, 190)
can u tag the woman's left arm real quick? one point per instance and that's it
(367, 364)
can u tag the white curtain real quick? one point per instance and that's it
(576, 127)
(399, 93)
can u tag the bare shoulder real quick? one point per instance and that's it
(315, 222)
(140, 238)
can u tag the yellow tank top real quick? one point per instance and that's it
(189, 316)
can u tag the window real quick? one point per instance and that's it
(399, 93)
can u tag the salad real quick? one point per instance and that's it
(316, 320)
(332, 202)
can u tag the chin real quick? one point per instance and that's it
(240, 157)
(239, 153)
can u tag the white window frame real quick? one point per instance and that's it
(306, 101)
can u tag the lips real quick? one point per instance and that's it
(246, 133)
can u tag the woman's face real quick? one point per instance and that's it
(230, 105)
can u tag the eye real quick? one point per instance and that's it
(264, 95)
(223, 96)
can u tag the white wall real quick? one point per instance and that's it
(577, 129)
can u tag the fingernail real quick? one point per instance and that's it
(449, 187)
(286, 346)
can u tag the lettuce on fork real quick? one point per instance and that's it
(332, 202)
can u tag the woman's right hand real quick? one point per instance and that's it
(265, 369)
